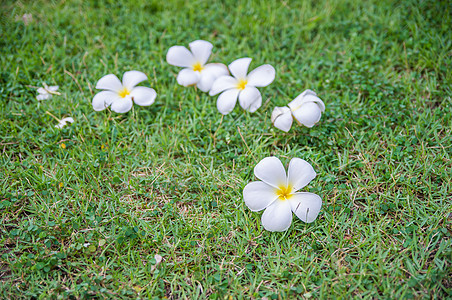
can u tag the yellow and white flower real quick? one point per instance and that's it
(306, 109)
(196, 71)
(242, 86)
(122, 95)
(277, 193)
(46, 92)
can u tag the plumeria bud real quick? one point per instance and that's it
(307, 108)
(282, 118)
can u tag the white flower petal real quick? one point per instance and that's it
(52, 88)
(282, 118)
(308, 114)
(277, 216)
(64, 121)
(122, 105)
(143, 96)
(271, 171)
(201, 50)
(109, 82)
(42, 91)
(188, 77)
(317, 100)
(223, 83)
(306, 206)
(250, 99)
(258, 195)
(131, 78)
(305, 97)
(43, 97)
(227, 100)
(239, 67)
(262, 76)
(299, 174)
(103, 99)
(210, 73)
(180, 56)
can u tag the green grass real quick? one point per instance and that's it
(168, 179)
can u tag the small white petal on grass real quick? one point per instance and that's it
(277, 216)
(282, 118)
(131, 78)
(109, 82)
(64, 121)
(223, 83)
(143, 96)
(250, 99)
(239, 67)
(306, 206)
(262, 76)
(300, 173)
(258, 195)
(43, 97)
(180, 56)
(188, 77)
(201, 50)
(158, 259)
(271, 171)
(227, 100)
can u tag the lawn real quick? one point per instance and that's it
(85, 209)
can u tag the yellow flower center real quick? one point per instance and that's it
(198, 67)
(124, 92)
(242, 84)
(284, 192)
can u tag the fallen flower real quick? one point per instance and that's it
(306, 109)
(122, 95)
(242, 86)
(46, 92)
(196, 71)
(63, 122)
(276, 193)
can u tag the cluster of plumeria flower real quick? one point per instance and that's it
(277, 191)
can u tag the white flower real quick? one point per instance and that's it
(196, 71)
(242, 86)
(46, 92)
(63, 122)
(122, 95)
(276, 193)
(306, 109)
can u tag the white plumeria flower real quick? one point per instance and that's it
(46, 92)
(277, 193)
(63, 122)
(196, 71)
(122, 95)
(306, 109)
(242, 86)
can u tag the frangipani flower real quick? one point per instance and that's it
(196, 71)
(306, 109)
(277, 193)
(122, 95)
(46, 92)
(63, 122)
(242, 86)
